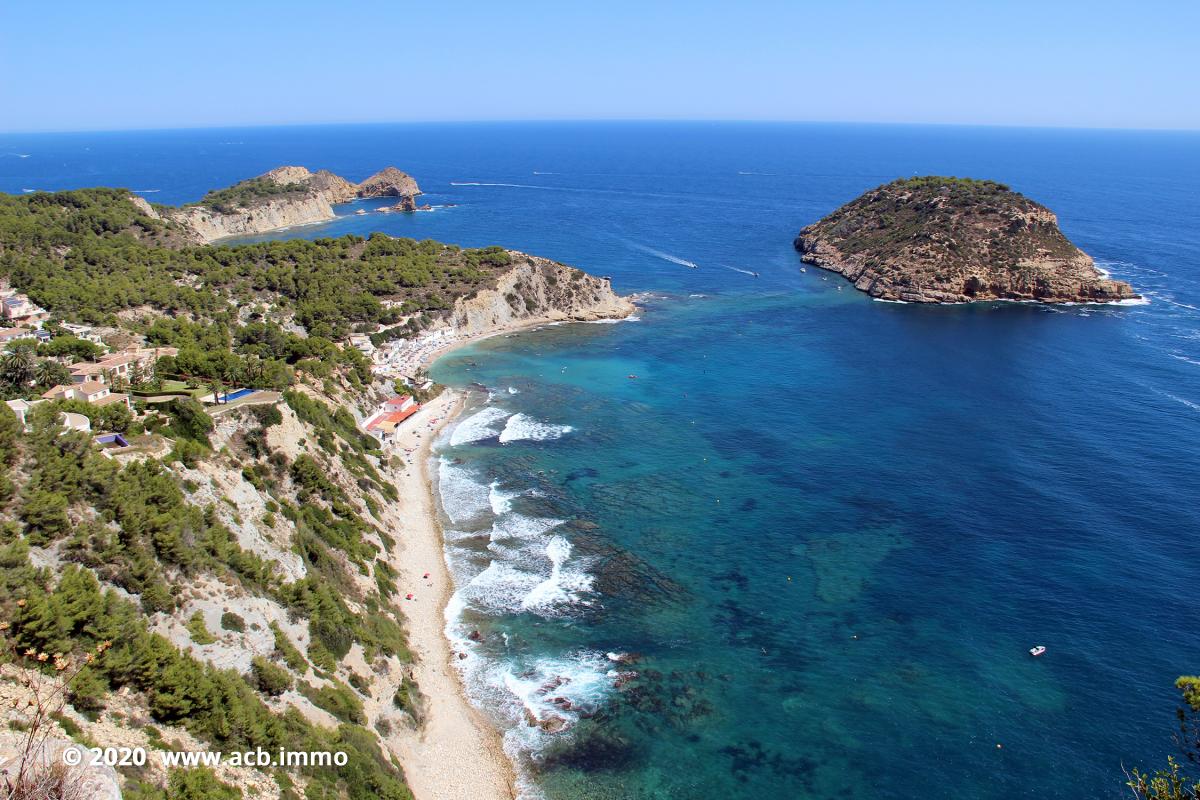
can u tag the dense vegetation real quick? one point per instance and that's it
(248, 192)
(132, 538)
(90, 254)
(968, 219)
(134, 527)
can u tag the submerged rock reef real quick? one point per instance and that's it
(955, 240)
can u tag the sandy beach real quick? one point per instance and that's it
(457, 754)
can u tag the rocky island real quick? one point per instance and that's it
(955, 240)
(284, 197)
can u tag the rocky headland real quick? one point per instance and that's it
(284, 197)
(955, 240)
(311, 609)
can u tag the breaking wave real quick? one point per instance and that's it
(463, 497)
(522, 426)
(478, 426)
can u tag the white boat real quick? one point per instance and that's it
(1036, 651)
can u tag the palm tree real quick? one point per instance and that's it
(16, 369)
(49, 373)
(230, 373)
(254, 371)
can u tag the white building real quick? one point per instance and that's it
(94, 392)
(14, 334)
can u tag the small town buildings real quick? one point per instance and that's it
(83, 332)
(94, 392)
(119, 365)
(385, 425)
(387, 418)
(75, 422)
(70, 420)
(400, 403)
(18, 309)
(362, 343)
(14, 334)
(21, 408)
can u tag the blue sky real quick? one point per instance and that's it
(90, 66)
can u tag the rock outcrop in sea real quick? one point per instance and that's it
(955, 240)
(286, 196)
(389, 182)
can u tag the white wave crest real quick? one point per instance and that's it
(519, 526)
(499, 589)
(478, 426)
(522, 426)
(563, 587)
(500, 500)
(462, 496)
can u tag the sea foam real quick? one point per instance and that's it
(563, 588)
(463, 497)
(477, 427)
(522, 426)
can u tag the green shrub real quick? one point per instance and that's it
(287, 651)
(233, 622)
(198, 630)
(269, 678)
(338, 699)
(199, 783)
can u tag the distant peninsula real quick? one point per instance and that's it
(955, 240)
(281, 198)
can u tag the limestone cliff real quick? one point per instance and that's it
(954, 240)
(284, 197)
(537, 289)
(207, 225)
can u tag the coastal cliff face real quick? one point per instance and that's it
(952, 240)
(535, 290)
(208, 225)
(284, 197)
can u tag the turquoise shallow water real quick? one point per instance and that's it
(829, 528)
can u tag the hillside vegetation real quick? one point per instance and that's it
(241, 563)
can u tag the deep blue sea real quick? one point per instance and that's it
(830, 528)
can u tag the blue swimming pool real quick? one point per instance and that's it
(238, 394)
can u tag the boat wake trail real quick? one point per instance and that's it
(739, 269)
(509, 185)
(683, 262)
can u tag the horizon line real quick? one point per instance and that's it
(592, 120)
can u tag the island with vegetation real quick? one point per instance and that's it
(282, 198)
(955, 240)
(204, 544)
